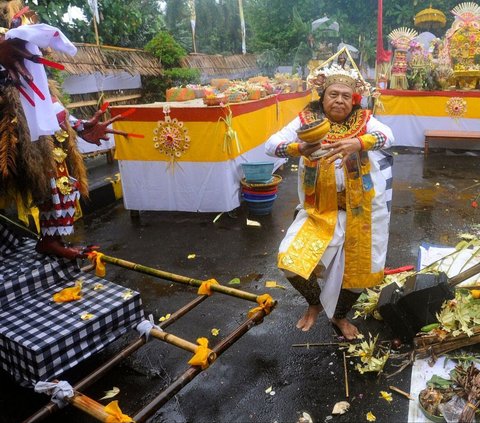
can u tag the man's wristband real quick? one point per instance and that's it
(293, 149)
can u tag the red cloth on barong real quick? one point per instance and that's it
(57, 214)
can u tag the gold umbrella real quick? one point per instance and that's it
(430, 18)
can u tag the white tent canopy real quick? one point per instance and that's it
(425, 38)
(318, 22)
(352, 50)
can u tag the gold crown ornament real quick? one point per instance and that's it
(329, 73)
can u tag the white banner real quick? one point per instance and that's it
(242, 26)
(94, 8)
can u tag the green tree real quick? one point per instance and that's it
(164, 47)
(124, 23)
(177, 20)
(270, 24)
(268, 61)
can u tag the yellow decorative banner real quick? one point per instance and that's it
(207, 138)
(426, 106)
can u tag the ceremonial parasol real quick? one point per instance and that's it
(430, 18)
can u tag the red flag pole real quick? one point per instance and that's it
(379, 32)
(383, 56)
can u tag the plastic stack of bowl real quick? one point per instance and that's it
(259, 187)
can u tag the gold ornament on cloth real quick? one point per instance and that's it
(59, 155)
(64, 185)
(61, 135)
(456, 107)
(170, 137)
(230, 137)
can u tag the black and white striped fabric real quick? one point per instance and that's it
(40, 339)
(386, 165)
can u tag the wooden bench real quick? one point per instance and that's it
(431, 135)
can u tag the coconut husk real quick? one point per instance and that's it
(25, 165)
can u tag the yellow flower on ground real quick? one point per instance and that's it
(166, 317)
(191, 256)
(371, 417)
(387, 396)
(215, 332)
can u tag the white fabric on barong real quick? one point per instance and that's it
(41, 118)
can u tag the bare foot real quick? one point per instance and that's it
(348, 330)
(309, 318)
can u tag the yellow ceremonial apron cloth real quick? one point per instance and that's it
(321, 205)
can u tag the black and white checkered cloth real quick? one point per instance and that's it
(8, 241)
(25, 272)
(40, 339)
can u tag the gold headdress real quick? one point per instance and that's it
(329, 73)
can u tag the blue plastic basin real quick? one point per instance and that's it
(258, 172)
(260, 207)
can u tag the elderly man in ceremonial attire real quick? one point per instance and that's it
(337, 244)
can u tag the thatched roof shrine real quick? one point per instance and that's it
(238, 66)
(91, 58)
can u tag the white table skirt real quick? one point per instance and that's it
(409, 130)
(188, 186)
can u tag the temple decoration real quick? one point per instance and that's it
(400, 39)
(456, 107)
(463, 41)
(430, 19)
(171, 137)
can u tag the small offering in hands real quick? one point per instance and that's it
(314, 133)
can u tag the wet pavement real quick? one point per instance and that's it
(431, 204)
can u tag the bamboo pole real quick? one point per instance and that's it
(164, 396)
(405, 394)
(95, 102)
(89, 406)
(322, 344)
(182, 311)
(51, 407)
(178, 278)
(345, 372)
(180, 343)
(95, 28)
